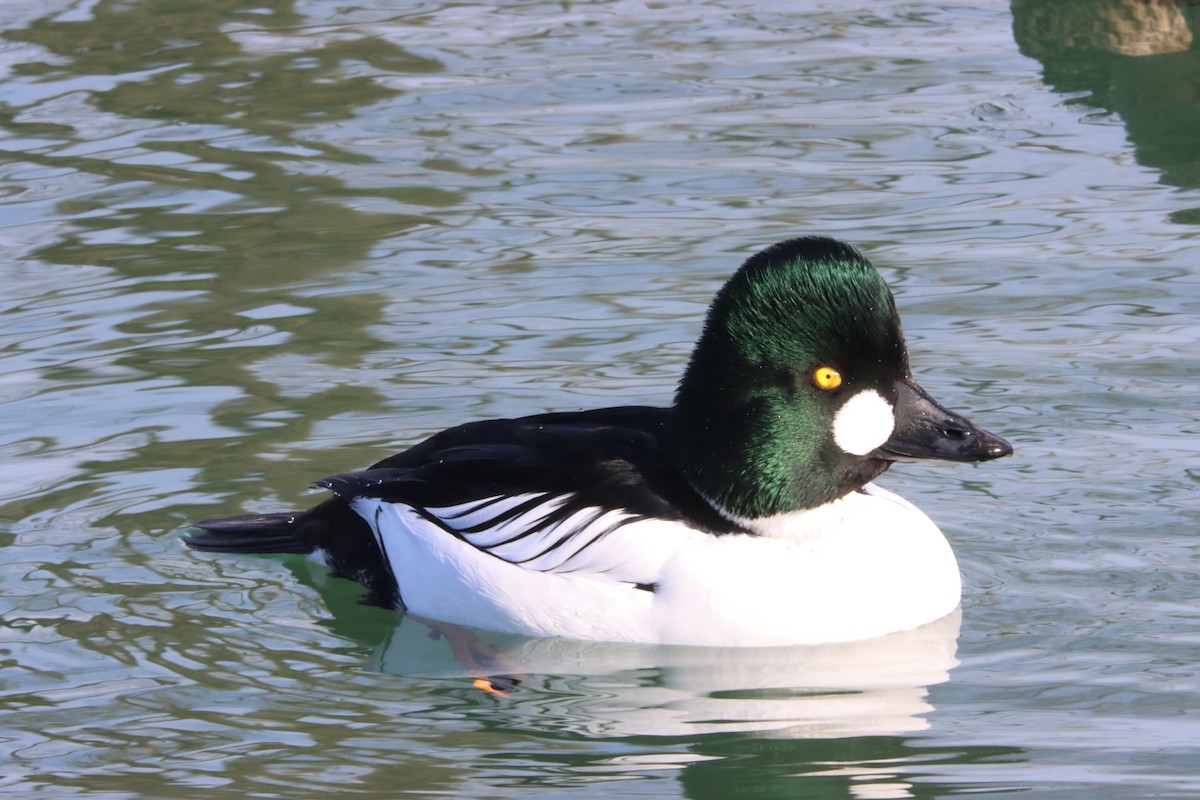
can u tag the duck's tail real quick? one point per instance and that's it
(329, 531)
(252, 533)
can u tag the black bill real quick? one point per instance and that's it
(925, 430)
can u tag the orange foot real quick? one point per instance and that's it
(490, 666)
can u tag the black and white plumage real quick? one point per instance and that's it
(544, 493)
(742, 515)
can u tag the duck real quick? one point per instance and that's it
(744, 514)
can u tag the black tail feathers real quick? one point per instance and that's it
(252, 533)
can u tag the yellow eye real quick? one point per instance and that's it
(827, 378)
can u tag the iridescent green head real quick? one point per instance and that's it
(798, 391)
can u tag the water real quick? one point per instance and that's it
(252, 244)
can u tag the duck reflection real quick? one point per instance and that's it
(868, 688)
(1136, 58)
(873, 687)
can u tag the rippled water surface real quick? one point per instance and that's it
(251, 244)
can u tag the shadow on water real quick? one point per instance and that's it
(1139, 59)
(207, 201)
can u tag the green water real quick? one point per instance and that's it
(251, 244)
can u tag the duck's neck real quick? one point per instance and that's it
(753, 470)
(751, 462)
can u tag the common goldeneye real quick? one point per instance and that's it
(742, 515)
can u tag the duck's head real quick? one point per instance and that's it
(799, 389)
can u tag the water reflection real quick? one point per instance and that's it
(863, 768)
(839, 715)
(1136, 58)
(196, 139)
(206, 210)
(846, 718)
(873, 687)
(865, 688)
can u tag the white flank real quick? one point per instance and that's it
(859, 567)
(864, 422)
(470, 581)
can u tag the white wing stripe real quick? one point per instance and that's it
(591, 543)
(480, 512)
(522, 531)
(568, 539)
(463, 509)
(527, 523)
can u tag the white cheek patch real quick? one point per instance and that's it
(864, 422)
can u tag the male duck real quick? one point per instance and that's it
(742, 515)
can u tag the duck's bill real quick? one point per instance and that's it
(925, 430)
